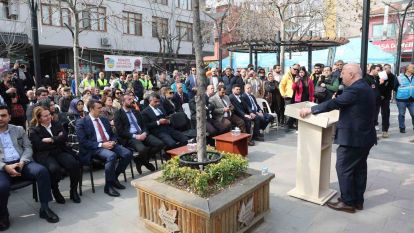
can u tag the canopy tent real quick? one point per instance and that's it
(349, 53)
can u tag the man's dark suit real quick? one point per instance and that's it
(255, 108)
(150, 146)
(355, 134)
(211, 128)
(181, 99)
(169, 107)
(241, 109)
(89, 147)
(171, 137)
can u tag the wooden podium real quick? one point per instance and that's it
(313, 163)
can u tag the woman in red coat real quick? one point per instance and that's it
(303, 87)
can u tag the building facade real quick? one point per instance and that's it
(158, 30)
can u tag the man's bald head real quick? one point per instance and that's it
(351, 73)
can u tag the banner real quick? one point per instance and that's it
(122, 63)
(4, 64)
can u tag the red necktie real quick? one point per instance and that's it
(100, 130)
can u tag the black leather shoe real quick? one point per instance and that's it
(402, 130)
(74, 196)
(251, 143)
(58, 196)
(138, 165)
(4, 223)
(49, 215)
(260, 139)
(116, 184)
(111, 191)
(341, 206)
(149, 166)
(357, 206)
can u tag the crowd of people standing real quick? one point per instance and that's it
(115, 115)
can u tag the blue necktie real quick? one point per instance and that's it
(253, 104)
(134, 122)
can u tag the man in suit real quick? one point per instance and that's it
(222, 112)
(191, 83)
(96, 139)
(243, 112)
(16, 161)
(355, 134)
(263, 118)
(134, 134)
(180, 96)
(229, 80)
(156, 121)
(211, 128)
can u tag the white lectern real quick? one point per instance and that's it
(314, 154)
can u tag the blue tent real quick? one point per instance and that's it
(349, 53)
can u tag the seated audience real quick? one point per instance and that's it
(15, 162)
(49, 149)
(96, 139)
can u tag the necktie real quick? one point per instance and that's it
(100, 130)
(133, 121)
(252, 102)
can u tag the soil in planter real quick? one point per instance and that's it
(212, 189)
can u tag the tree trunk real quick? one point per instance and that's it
(282, 48)
(201, 84)
(76, 52)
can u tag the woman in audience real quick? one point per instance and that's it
(116, 99)
(49, 149)
(108, 110)
(274, 98)
(76, 109)
(303, 87)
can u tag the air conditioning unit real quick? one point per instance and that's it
(105, 42)
(13, 8)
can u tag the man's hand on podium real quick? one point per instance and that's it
(304, 112)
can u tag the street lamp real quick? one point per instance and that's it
(35, 42)
(364, 42)
(218, 18)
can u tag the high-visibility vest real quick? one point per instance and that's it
(88, 83)
(102, 84)
(406, 88)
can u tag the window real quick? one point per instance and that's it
(164, 2)
(94, 18)
(185, 31)
(159, 27)
(132, 23)
(8, 10)
(55, 16)
(183, 4)
(377, 31)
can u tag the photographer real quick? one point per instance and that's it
(327, 85)
(11, 86)
(20, 71)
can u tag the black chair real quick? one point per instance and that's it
(19, 183)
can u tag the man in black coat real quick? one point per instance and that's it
(158, 124)
(229, 80)
(355, 134)
(132, 133)
(242, 110)
(386, 85)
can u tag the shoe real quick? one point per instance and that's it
(149, 166)
(49, 215)
(385, 134)
(58, 196)
(251, 143)
(116, 184)
(74, 196)
(261, 135)
(357, 206)
(260, 139)
(402, 130)
(4, 223)
(138, 165)
(111, 191)
(341, 206)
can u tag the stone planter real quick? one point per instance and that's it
(164, 208)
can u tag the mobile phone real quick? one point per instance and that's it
(17, 169)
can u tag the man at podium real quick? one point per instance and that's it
(355, 135)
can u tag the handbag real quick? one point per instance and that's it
(320, 92)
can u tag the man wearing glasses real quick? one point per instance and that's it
(286, 90)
